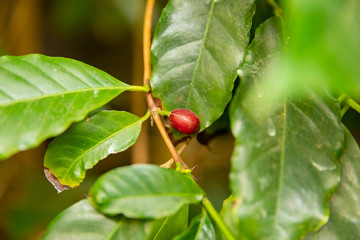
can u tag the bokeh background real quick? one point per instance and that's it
(106, 34)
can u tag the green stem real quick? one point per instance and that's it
(146, 116)
(145, 88)
(217, 219)
(277, 10)
(344, 110)
(353, 104)
(342, 97)
(163, 113)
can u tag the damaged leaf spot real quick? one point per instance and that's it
(54, 181)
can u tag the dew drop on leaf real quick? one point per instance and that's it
(271, 130)
(96, 93)
(240, 73)
(323, 165)
(111, 149)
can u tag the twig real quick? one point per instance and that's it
(179, 149)
(147, 40)
(147, 74)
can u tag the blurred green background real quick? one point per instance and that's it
(106, 34)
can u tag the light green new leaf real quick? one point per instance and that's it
(82, 222)
(41, 96)
(79, 149)
(144, 191)
(285, 162)
(201, 228)
(344, 221)
(197, 47)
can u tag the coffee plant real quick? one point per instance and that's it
(295, 168)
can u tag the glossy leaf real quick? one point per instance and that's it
(144, 191)
(197, 47)
(344, 221)
(79, 149)
(285, 162)
(82, 221)
(201, 228)
(41, 96)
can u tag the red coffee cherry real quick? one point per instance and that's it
(185, 121)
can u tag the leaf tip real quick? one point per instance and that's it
(54, 181)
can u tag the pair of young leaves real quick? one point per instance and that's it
(153, 202)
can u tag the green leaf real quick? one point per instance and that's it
(285, 162)
(344, 221)
(201, 228)
(82, 221)
(144, 191)
(197, 47)
(79, 149)
(228, 214)
(167, 228)
(41, 96)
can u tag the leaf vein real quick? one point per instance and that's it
(43, 72)
(98, 144)
(201, 49)
(282, 159)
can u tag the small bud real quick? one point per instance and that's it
(185, 121)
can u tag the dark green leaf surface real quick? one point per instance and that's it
(144, 191)
(201, 228)
(41, 96)
(285, 162)
(197, 47)
(344, 221)
(82, 222)
(79, 149)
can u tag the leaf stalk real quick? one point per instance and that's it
(353, 104)
(217, 219)
(145, 88)
(163, 112)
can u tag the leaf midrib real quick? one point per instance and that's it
(99, 143)
(30, 99)
(161, 227)
(113, 231)
(282, 159)
(173, 194)
(201, 225)
(201, 50)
